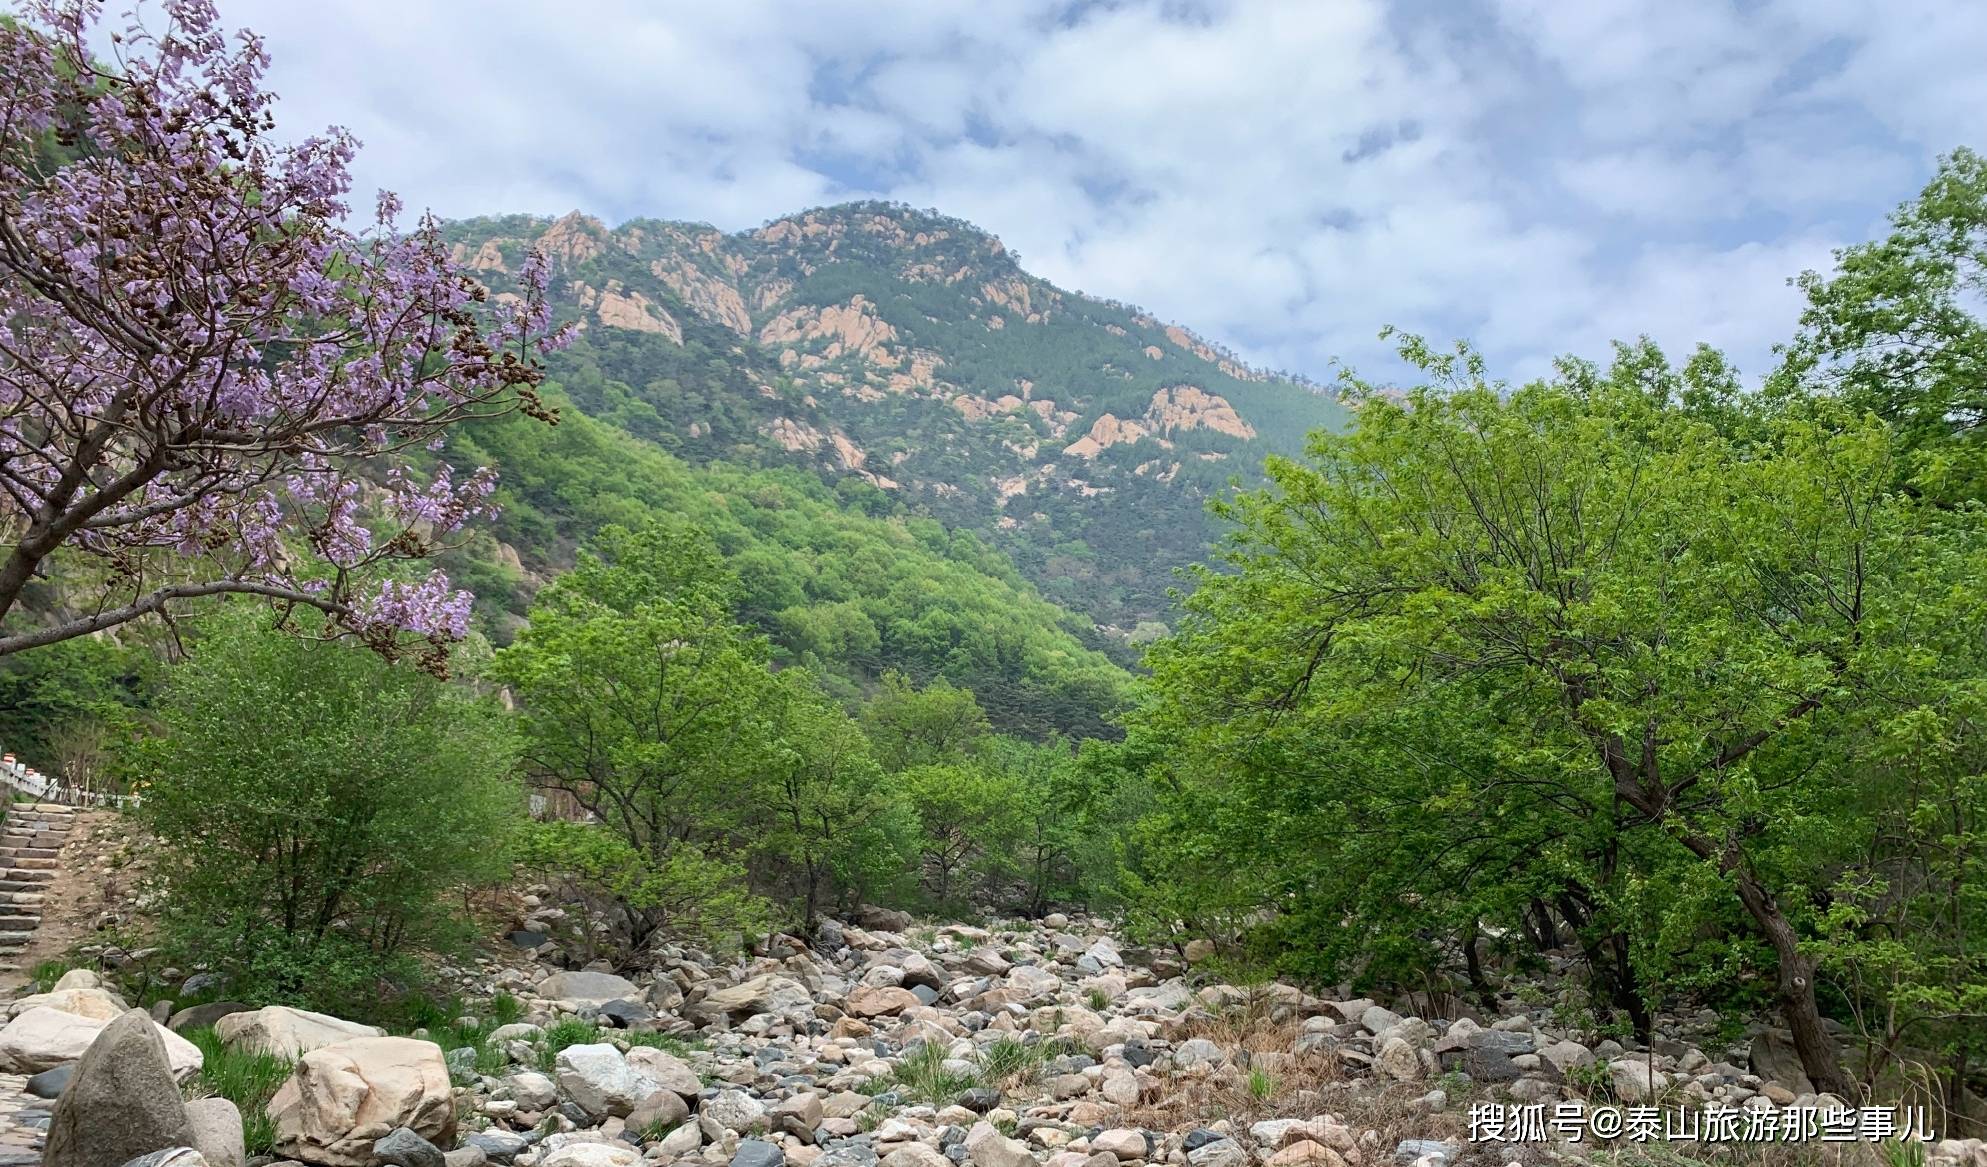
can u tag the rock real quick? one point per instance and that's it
(987, 1147)
(681, 1141)
(526, 939)
(980, 1099)
(287, 1032)
(592, 1155)
(1222, 1152)
(403, 1148)
(465, 1157)
(346, 1096)
(600, 1081)
(81, 1000)
(1120, 1087)
(587, 988)
(758, 1153)
(1199, 950)
(915, 1155)
(217, 1131)
(660, 1111)
(666, 1070)
(1030, 981)
(877, 1001)
(1436, 1154)
(122, 1102)
(626, 1014)
(1564, 1056)
(1306, 1154)
(797, 1116)
(1123, 1142)
(499, 1146)
(1198, 1051)
(170, 1157)
(1398, 1060)
(877, 919)
(770, 993)
(202, 1016)
(1634, 1080)
(41, 1038)
(533, 1090)
(1772, 1056)
(735, 1110)
(49, 1083)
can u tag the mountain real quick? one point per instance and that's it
(909, 361)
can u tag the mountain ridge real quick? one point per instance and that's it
(911, 354)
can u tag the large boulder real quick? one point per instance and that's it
(666, 1070)
(880, 1001)
(286, 1032)
(122, 1102)
(41, 1038)
(217, 1131)
(587, 988)
(770, 993)
(345, 1097)
(101, 1004)
(600, 1081)
(1773, 1057)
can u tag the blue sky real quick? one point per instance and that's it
(1286, 176)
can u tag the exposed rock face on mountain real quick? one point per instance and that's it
(912, 353)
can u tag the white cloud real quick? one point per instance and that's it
(1537, 175)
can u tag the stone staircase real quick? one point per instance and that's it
(31, 836)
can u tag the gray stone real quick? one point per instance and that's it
(122, 1102)
(500, 1146)
(527, 939)
(1222, 1152)
(588, 988)
(1772, 1056)
(734, 1110)
(203, 1016)
(403, 1148)
(1418, 1150)
(758, 1153)
(170, 1157)
(660, 1111)
(49, 1083)
(600, 1081)
(217, 1131)
(461, 1063)
(625, 1014)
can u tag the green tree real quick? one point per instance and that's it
(314, 804)
(1898, 329)
(909, 726)
(1591, 644)
(830, 824)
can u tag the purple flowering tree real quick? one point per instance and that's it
(208, 383)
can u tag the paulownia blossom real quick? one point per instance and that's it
(205, 378)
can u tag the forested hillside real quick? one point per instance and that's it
(910, 357)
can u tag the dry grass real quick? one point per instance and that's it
(1252, 1087)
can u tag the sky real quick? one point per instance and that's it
(1284, 176)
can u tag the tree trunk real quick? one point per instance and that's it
(1796, 984)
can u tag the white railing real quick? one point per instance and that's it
(42, 788)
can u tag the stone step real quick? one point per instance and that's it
(14, 940)
(25, 864)
(11, 853)
(17, 922)
(18, 874)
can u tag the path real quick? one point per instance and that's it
(31, 840)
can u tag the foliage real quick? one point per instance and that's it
(245, 1078)
(1898, 329)
(203, 364)
(313, 803)
(692, 890)
(1570, 644)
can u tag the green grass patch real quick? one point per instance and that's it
(249, 1080)
(923, 1077)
